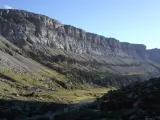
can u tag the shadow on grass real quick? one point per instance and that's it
(18, 109)
(6, 77)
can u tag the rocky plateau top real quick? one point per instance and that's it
(25, 28)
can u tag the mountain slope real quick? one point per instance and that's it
(22, 78)
(28, 29)
(63, 56)
(139, 101)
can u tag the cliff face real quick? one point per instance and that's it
(76, 53)
(154, 54)
(25, 28)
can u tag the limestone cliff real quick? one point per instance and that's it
(21, 27)
(47, 40)
(154, 54)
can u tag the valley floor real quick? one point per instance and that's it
(42, 87)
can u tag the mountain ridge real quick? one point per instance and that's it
(43, 62)
(83, 56)
(67, 37)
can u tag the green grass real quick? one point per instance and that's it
(54, 74)
(22, 78)
(8, 46)
(5, 87)
(71, 95)
(133, 73)
(76, 95)
(58, 95)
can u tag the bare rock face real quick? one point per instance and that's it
(25, 28)
(138, 101)
(154, 54)
(47, 40)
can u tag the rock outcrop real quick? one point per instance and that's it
(39, 55)
(154, 54)
(139, 101)
(47, 41)
(25, 28)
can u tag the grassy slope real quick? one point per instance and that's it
(50, 84)
(24, 84)
(20, 85)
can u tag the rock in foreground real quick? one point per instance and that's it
(139, 101)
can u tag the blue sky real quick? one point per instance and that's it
(134, 21)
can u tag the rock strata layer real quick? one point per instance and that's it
(73, 52)
(25, 28)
